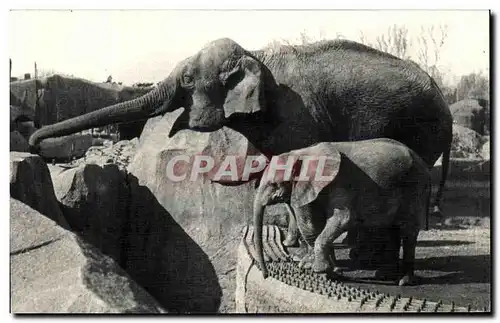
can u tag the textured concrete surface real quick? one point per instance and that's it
(290, 290)
(54, 271)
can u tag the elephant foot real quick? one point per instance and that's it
(436, 212)
(408, 280)
(324, 263)
(307, 261)
(321, 264)
(298, 253)
(354, 254)
(291, 240)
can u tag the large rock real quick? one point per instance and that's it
(120, 153)
(61, 97)
(485, 150)
(24, 94)
(67, 147)
(21, 127)
(53, 271)
(20, 112)
(64, 97)
(94, 201)
(18, 142)
(31, 183)
(471, 113)
(189, 230)
(26, 128)
(466, 142)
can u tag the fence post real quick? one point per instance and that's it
(37, 97)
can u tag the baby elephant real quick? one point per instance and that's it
(332, 187)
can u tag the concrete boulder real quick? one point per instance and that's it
(18, 142)
(94, 200)
(26, 128)
(466, 142)
(472, 113)
(485, 150)
(120, 153)
(288, 289)
(67, 147)
(54, 271)
(24, 95)
(61, 97)
(21, 127)
(31, 183)
(189, 230)
(20, 112)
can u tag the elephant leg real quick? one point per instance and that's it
(323, 246)
(387, 255)
(353, 240)
(292, 236)
(391, 253)
(352, 236)
(366, 251)
(310, 224)
(409, 245)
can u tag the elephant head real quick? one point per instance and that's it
(295, 178)
(221, 80)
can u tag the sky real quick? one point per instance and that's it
(144, 45)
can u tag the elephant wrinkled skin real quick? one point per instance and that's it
(373, 183)
(293, 97)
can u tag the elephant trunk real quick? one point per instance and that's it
(258, 209)
(151, 104)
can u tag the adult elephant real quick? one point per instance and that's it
(293, 97)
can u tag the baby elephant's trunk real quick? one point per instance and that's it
(258, 214)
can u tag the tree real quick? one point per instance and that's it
(431, 40)
(474, 86)
(449, 93)
(45, 72)
(395, 41)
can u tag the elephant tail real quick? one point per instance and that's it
(445, 165)
(428, 202)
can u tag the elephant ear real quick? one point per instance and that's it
(277, 170)
(245, 88)
(320, 172)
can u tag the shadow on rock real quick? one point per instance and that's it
(165, 260)
(103, 277)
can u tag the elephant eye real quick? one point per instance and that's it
(187, 79)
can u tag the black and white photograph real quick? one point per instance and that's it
(250, 162)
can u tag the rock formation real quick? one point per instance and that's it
(54, 271)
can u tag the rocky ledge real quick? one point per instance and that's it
(53, 270)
